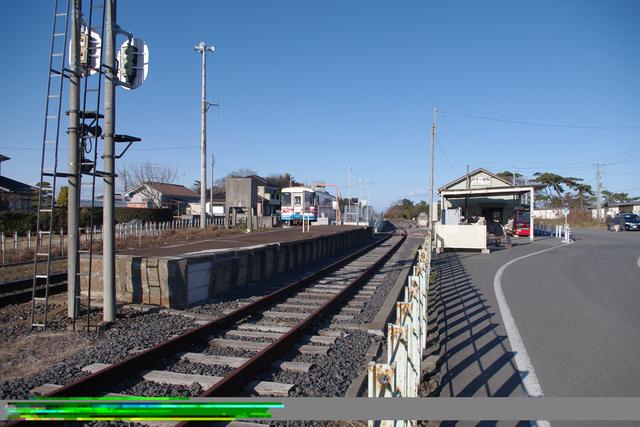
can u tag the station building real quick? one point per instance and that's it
(480, 193)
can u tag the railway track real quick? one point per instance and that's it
(21, 291)
(262, 331)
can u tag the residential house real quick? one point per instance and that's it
(161, 195)
(15, 195)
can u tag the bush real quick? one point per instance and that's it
(84, 217)
(20, 221)
(146, 215)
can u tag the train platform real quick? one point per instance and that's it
(234, 242)
(175, 275)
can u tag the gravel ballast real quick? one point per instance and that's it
(134, 330)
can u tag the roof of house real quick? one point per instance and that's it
(263, 182)
(8, 185)
(172, 190)
(475, 172)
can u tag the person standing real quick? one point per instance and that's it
(508, 231)
(498, 231)
(616, 222)
(609, 222)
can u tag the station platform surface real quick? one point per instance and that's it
(224, 243)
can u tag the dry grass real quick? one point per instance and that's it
(122, 243)
(13, 273)
(37, 352)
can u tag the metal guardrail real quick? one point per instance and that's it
(552, 230)
(406, 340)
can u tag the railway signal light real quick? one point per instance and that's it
(128, 62)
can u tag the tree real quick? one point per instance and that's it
(584, 194)
(509, 177)
(613, 198)
(159, 176)
(63, 197)
(132, 175)
(47, 197)
(556, 182)
(283, 180)
(403, 208)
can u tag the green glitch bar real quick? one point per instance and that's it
(135, 409)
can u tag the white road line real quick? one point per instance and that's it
(527, 374)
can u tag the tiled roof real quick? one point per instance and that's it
(8, 185)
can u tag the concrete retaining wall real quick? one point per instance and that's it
(178, 282)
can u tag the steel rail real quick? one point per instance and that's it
(20, 285)
(89, 385)
(26, 296)
(240, 376)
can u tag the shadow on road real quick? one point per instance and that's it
(477, 361)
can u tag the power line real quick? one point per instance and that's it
(542, 124)
(445, 156)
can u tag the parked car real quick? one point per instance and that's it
(631, 221)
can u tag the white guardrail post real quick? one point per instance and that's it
(406, 340)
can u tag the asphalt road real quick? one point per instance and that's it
(575, 306)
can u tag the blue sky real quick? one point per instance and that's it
(311, 87)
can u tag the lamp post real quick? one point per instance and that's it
(203, 49)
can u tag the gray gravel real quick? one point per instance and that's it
(132, 331)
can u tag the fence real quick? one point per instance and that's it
(406, 340)
(552, 230)
(358, 214)
(133, 228)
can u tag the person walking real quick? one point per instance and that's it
(498, 232)
(616, 222)
(508, 231)
(609, 222)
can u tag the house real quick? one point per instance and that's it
(484, 194)
(161, 195)
(216, 206)
(250, 200)
(268, 202)
(15, 195)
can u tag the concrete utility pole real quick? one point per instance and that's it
(109, 182)
(202, 48)
(212, 185)
(433, 134)
(349, 189)
(598, 189)
(74, 158)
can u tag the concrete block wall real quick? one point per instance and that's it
(178, 282)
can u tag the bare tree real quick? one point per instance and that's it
(156, 177)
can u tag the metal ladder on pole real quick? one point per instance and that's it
(49, 163)
(90, 130)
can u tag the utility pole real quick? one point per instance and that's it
(433, 134)
(349, 188)
(598, 189)
(202, 48)
(74, 158)
(212, 185)
(109, 182)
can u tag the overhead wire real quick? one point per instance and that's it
(541, 124)
(445, 156)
